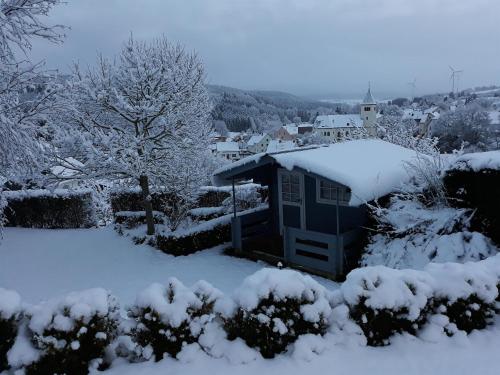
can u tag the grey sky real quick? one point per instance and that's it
(327, 48)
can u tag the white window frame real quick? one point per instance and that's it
(301, 204)
(332, 202)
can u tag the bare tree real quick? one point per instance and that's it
(142, 118)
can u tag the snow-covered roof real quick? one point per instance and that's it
(369, 98)
(227, 147)
(254, 139)
(371, 168)
(338, 121)
(276, 145)
(292, 129)
(494, 117)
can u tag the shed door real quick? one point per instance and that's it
(291, 200)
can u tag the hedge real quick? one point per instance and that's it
(270, 311)
(196, 240)
(478, 190)
(59, 209)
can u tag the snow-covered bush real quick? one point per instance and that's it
(203, 236)
(168, 317)
(247, 196)
(10, 310)
(384, 301)
(73, 333)
(465, 293)
(50, 209)
(408, 234)
(133, 219)
(272, 308)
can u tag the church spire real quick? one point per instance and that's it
(368, 97)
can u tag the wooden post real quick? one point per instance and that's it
(340, 251)
(234, 200)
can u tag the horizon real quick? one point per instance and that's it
(315, 49)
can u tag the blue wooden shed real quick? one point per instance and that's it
(317, 200)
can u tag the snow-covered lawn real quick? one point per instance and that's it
(41, 264)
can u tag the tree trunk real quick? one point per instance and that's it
(148, 206)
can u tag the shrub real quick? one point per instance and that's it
(465, 293)
(273, 308)
(50, 209)
(73, 333)
(477, 189)
(384, 301)
(169, 317)
(10, 310)
(204, 236)
(133, 219)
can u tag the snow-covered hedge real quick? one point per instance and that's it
(203, 236)
(72, 333)
(50, 209)
(10, 310)
(168, 317)
(273, 308)
(384, 301)
(132, 219)
(466, 294)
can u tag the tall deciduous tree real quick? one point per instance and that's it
(21, 110)
(141, 118)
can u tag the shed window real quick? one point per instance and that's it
(327, 193)
(290, 188)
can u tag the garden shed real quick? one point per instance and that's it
(317, 200)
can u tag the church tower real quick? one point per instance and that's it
(369, 112)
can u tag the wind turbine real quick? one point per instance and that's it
(455, 78)
(413, 85)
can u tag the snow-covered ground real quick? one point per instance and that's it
(41, 263)
(476, 354)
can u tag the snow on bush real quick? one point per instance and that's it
(411, 235)
(10, 310)
(466, 293)
(272, 308)
(384, 301)
(169, 317)
(72, 333)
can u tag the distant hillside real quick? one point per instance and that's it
(262, 110)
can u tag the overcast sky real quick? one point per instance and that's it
(323, 48)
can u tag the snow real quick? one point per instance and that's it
(227, 146)
(255, 139)
(38, 193)
(338, 121)
(10, 303)
(423, 234)
(276, 146)
(281, 284)
(79, 306)
(370, 168)
(474, 354)
(41, 264)
(477, 161)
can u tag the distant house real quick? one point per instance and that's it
(305, 128)
(277, 145)
(317, 200)
(228, 150)
(422, 118)
(258, 143)
(339, 127)
(287, 132)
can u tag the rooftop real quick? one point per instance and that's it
(371, 168)
(339, 121)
